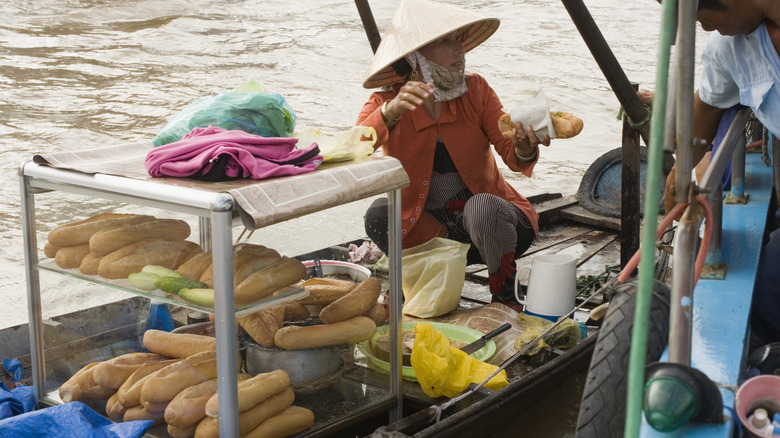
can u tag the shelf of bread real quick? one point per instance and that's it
(283, 295)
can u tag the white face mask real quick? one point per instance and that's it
(447, 84)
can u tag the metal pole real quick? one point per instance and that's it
(34, 314)
(225, 316)
(686, 53)
(681, 308)
(394, 249)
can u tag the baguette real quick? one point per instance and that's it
(378, 313)
(179, 345)
(70, 257)
(249, 419)
(247, 259)
(262, 326)
(296, 311)
(189, 406)
(114, 409)
(110, 240)
(129, 394)
(355, 303)
(352, 330)
(50, 250)
(89, 264)
(81, 386)
(112, 373)
(291, 421)
(132, 258)
(253, 391)
(163, 385)
(323, 291)
(266, 281)
(196, 266)
(182, 432)
(79, 232)
(139, 412)
(155, 408)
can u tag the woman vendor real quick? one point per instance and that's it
(440, 123)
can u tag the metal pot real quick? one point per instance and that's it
(302, 365)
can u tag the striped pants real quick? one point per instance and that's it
(493, 226)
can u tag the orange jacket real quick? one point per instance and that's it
(467, 126)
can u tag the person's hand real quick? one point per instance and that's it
(669, 201)
(409, 97)
(646, 96)
(525, 140)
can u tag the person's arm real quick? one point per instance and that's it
(706, 119)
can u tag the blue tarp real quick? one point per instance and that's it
(74, 419)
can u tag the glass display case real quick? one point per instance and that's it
(219, 207)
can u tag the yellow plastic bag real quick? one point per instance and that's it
(433, 277)
(566, 335)
(443, 370)
(344, 146)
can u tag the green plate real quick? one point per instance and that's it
(451, 331)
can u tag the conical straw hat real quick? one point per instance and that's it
(417, 23)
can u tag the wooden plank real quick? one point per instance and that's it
(579, 214)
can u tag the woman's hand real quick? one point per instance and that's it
(525, 140)
(411, 95)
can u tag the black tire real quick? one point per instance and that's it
(603, 406)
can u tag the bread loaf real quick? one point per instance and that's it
(253, 391)
(355, 303)
(178, 345)
(296, 311)
(262, 326)
(247, 259)
(112, 373)
(163, 385)
(566, 125)
(196, 266)
(110, 240)
(70, 257)
(79, 232)
(182, 432)
(356, 329)
(291, 421)
(81, 386)
(132, 258)
(50, 250)
(266, 281)
(129, 394)
(323, 291)
(249, 419)
(378, 313)
(189, 405)
(114, 409)
(89, 264)
(139, 412)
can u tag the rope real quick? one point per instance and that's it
(642, 122)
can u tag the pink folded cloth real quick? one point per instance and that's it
(218, 154)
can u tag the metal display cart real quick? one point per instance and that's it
(218, 206)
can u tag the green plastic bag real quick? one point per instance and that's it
(259, 113)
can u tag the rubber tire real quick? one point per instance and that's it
(603, 406)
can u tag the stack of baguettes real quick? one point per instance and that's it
(115, 245)
(176, 383)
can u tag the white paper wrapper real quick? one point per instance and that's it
(535, 112)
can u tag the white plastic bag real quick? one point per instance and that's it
(433, 277)
(344, 146)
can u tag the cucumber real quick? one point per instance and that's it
(143, 280)
(202, 296)
(172, 285)
(161, 271)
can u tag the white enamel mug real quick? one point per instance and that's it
(552, 286)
